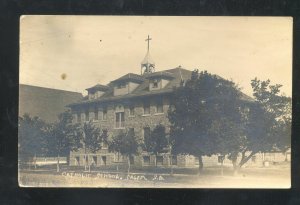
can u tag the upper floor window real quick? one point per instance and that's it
(146, 133)
(78, 117)
(96, 114)
(120, 120)
(146, 108)
(87, 116)
(131, 111)
(104, 114)
(159, 106)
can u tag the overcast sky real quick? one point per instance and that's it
(98, 49)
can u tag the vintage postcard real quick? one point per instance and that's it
(155, 101)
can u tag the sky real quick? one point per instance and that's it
(76, 52)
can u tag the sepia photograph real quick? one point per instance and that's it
(155, 101)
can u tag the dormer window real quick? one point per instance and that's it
(127, 84)
(155, 83)
(96, 91)
(121, 85)
(159, 80)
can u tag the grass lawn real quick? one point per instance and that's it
(260, 177)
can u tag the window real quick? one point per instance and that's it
(159, 107)
(146, 160)
(77, 161)
(131, 111)
(96, 114)
(131, 160)
(121, 85)
(155, 84)
(146, 108)
(146, 133)
(120, 120)
(103, 160)
(78, 117)
(94, 161)
(253, 159)
(87, 117)
(159, 160)
(104, 116)
(174, 160)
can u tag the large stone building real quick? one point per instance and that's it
(133, 102)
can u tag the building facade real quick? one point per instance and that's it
(133, 102)
(136, 102)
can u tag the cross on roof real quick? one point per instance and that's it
(148, 39)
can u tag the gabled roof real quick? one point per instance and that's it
(161, 74)
(98, 87)
(132, 77)
(178, 74)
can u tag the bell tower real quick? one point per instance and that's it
(147, 65)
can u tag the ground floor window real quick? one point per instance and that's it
(77, 162)
(253, 159)
(94, 161)
(96, 114)
(159, 160)
(103, 160)
(146, 160)
(174, 160)
(131, 160)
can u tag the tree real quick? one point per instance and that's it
(126, 144)
(156, 142)
(63, 137)
(267, 123)
(32, 137)
(200, 104)
(91, 138)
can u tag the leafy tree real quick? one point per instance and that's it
(126, 144)
(91, 139)
(157, 141)
(63, 136)
(199, 105)
(267, 123)
(32, 137)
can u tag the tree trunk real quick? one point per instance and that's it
(236, 170)
(128, 170)
(171, 164)
(57, 164)
(222, 167)
(234, 161)
(200, 164)
(85, 159)
(34, 161)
